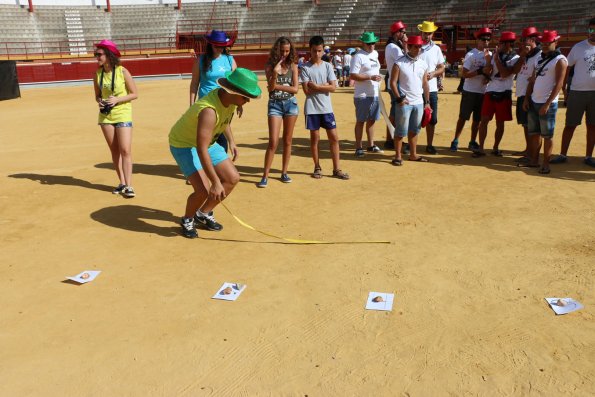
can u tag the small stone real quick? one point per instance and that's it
(378, 299)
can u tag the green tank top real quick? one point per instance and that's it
(122, 112)
(183, 133)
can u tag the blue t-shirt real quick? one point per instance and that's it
(208, 78)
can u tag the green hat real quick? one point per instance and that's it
(369, 38)
(242, 82)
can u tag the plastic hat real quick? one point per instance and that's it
(483, 32)
(427, 27)
(427, 116)
(109, 45)
(415, 40)
(507, 36)
(368, 38)
(242, 82)
(531, 31)
(350, 50)
(548, 36)
(395, 27)
(219, 38)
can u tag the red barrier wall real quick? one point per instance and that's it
(85, 69)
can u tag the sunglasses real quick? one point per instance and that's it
(416, 46)
(484, 39)
(98, 54)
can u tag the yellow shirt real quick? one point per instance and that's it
(183, 133)
(122, 112)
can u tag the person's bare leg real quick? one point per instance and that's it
(109, 133)
(359, 133)
(288, 125)
(274, 129)
(459, 129)
(229, 177)
(548, 145)
(124, 135)
(333, 138)
(534, 145)
(483, 132)
(475, 130)
(590, 140)
(370, 132)
(197, 198)
(398, 146)
(430, 132)
(567, 135)
(314, 140)
(499, 134)
(412, 139)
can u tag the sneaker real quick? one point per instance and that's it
(473, 145)
(454, 146)
(389, 144)
(431, 149)
(128, 192)
(559, 159)
(263, 183)
(406, 148)
(208, 222)
(590, 161)
(359, 152)
(188, 229)
(375, 149)
(118, 190)
(285, 178)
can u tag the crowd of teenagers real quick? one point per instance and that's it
(202, 138)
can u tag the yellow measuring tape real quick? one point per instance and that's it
(297, 241)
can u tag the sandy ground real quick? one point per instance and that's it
(476, 246)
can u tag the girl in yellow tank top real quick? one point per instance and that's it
(114, 91)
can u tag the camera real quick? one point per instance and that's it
(106, 108)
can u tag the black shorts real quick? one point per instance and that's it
(471, 102)
(521, 115)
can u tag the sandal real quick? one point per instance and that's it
(397, 162)
(340, 174)
(317, 174)
(420, 159)
(544, 170)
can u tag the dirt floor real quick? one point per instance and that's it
(476, 245)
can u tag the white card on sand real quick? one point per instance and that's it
(229, 291)
(85, 277)
(563, 305)
(380, 301)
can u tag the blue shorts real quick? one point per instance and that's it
(434, 106)
(543, 125)
(408, 119)
(346, 71)
(283, 107)
(119, 125)
(315, 121)
(188, 161)
(366, 109)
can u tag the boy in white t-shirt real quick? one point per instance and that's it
(395, 48)
(365, 71)
(543, 89)
(581, 97)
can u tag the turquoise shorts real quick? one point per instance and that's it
(188, 161)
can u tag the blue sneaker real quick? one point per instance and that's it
(454, 146)
(285, 178)
(263, 183)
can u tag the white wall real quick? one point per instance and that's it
(25, 3)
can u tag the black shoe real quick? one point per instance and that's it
(208, 222)
(389, 144)
(188, 229)
(431, 149)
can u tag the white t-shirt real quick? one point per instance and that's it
(522, 78)
(338, 62)
(582, 57)
(392, 52)
(366, 64)
(346, 61)
(546, 80)
(501, 84)
(474, 61)
(411, 74)
(432, 55)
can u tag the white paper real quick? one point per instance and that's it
(235, 290)
(85, 277)
(385, 305)
(570, 305)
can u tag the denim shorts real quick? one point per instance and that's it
(543, 125)
(366, 109)
(345, 71)
(119, 125)
(283, 107)
(408, 119)
(315, 121)
(188, 161)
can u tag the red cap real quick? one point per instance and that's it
(548, 36)
(395, 27)
(415, 40)
(426, 117)
(483, 32)
(109, 45)
(507, 36)
(531, 31)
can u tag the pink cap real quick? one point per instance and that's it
(109, 45)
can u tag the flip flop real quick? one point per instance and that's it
(420, 159)
(544, 171)
(397, 162)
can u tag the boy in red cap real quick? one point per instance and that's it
(497, 99)
(529, 51)
(474, 72)
(581, 97)
(544, 88)
(395, 48)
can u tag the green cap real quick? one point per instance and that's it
(369, 38)
(242, 82)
